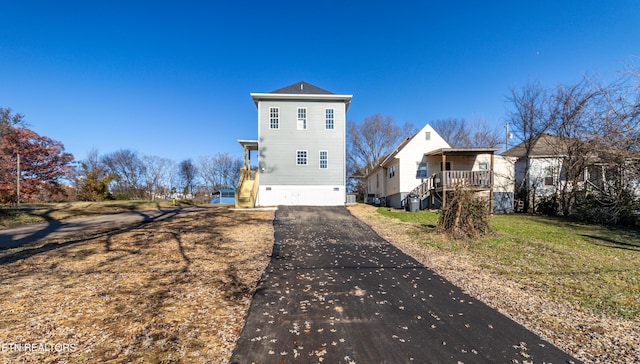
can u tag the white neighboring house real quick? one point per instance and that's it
(301, 149)
(401, 171)
(425, 165)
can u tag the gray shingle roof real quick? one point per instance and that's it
(302, 88)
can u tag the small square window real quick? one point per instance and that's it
(427, 135)
(484, 166)
(301, 157)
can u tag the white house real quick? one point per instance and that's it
(403, 169)
(301, 149)
(426, 166)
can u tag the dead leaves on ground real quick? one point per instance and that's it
(175, 290)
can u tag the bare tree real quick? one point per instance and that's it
(454, 131)
(571, 122)
(529, 121)
(157, 175)
(128, 166)
(220, 171)
(618, 113)
(368, 142)
(187, 173)
(374, 138)
(462, 134)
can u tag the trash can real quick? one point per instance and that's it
(413, 203)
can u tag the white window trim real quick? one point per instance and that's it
(326, 159)
(333, 119)
(277, 118)
(306, 157)
(300, 120)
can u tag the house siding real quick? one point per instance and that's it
(277, 154)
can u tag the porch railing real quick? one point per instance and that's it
(466, 179)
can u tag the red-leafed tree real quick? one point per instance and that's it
(43, 163)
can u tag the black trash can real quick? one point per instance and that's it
(413, 203)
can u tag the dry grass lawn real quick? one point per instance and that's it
(168, 291)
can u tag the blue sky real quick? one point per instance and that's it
(172, 79)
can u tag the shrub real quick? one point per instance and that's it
(465, 216)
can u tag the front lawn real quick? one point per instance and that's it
(592, 266)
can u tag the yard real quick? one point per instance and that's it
(179, 289)
(166, 291)
(578, 285)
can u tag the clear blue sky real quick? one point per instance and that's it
(172, 79)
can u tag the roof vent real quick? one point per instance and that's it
(302, 86)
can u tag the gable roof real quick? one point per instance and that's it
(301, 91)
(546, 145)
(302, 88)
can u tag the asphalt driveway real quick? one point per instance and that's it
(335, 292)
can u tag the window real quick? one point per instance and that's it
(548, 177)
(324, 159)
(392, 171)
(329, 120)
(427, 135)
(447, 166)
(484, 166)
(301, 157)
(302, 118)
(274, 118)
(422, 171)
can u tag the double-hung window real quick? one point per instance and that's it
(274, 118)
(329, 119)
(324, 159)
(301, 157)
(302, 118)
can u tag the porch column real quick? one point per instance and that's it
(445, 182)
(491, 186)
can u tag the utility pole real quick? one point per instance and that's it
(506, 144)
(18, 181)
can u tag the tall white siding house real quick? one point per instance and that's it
(301, 146)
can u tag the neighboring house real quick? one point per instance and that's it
(301, 149)
(426, 166)
(402, 170)
(548, 162)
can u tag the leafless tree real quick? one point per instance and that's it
(374, 138)
(369, 141)
(454, 131)
(220, 171)
(187, 174)
(571, 122)
(618, 113)
(460, 133)
(529, 121)
(130, 169)
(157, 175)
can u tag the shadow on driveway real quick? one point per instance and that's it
(336, 292)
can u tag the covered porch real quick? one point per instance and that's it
(467, 168)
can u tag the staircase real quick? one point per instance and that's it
(424, 190)
(247, 189)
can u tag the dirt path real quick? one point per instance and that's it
(336, 292)
(85, 226)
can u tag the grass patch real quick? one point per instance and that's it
(40, 212)
(593, 266)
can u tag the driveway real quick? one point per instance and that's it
(335, 292)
